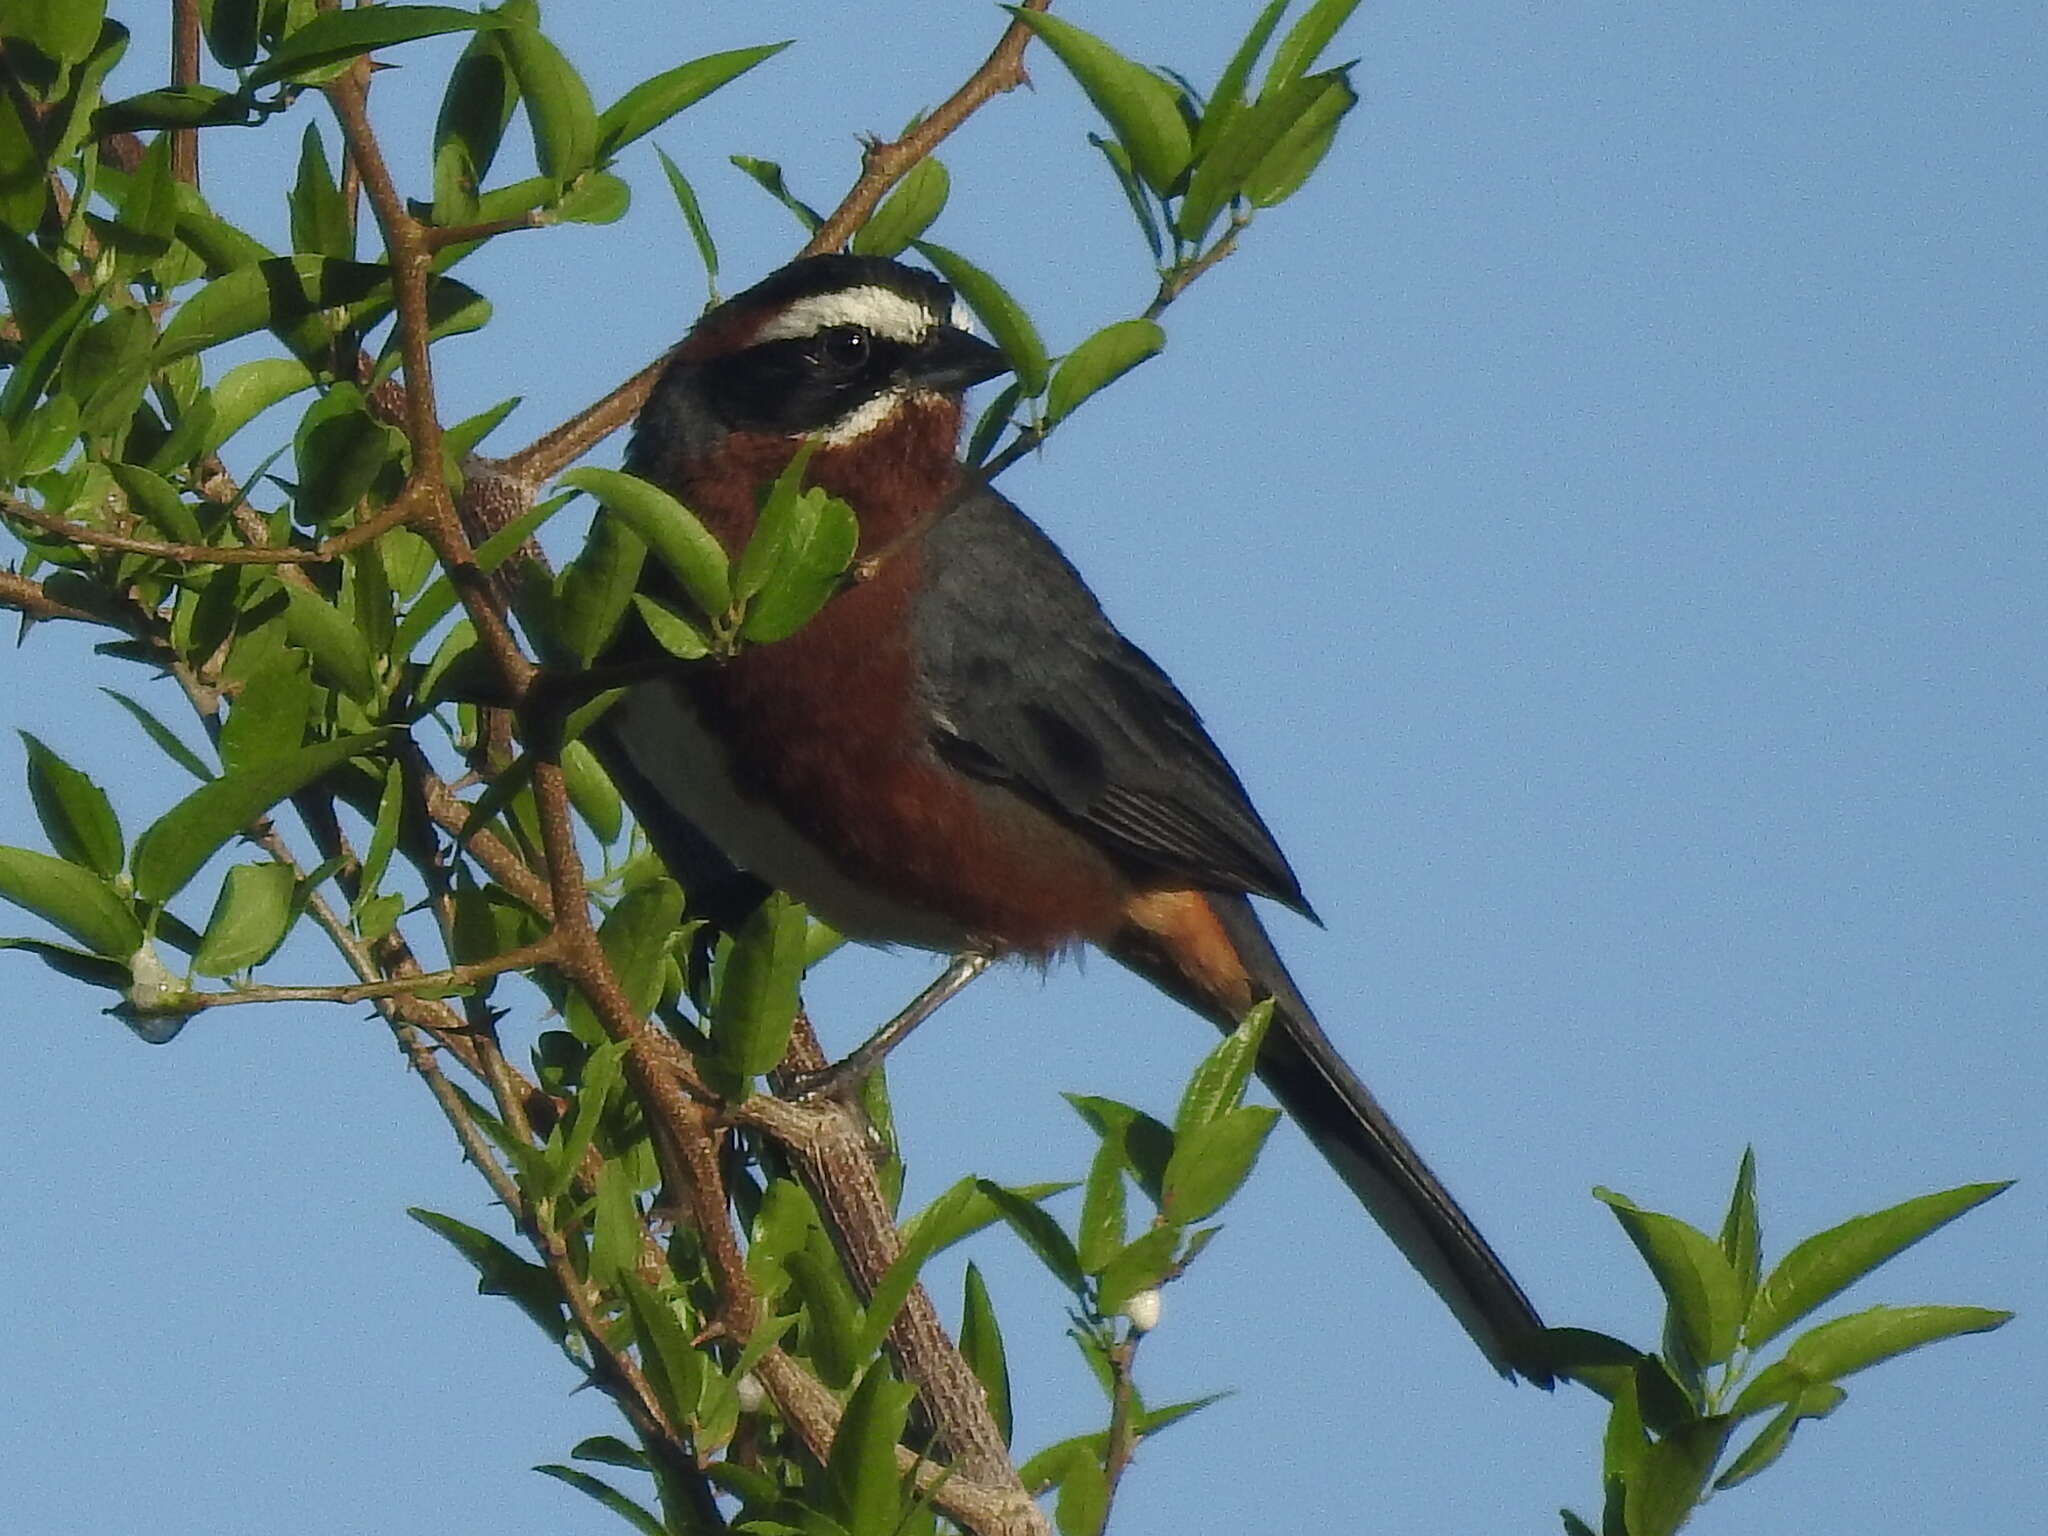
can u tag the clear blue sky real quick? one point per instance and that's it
(1603, 521)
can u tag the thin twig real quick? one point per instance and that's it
(185, 71)
(1123, 1436)
(323, 553)
(455, 977)
(885, 164)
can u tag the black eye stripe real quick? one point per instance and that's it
(801, 383)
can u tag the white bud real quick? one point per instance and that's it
(1143, 1309)
(753, 1397)
(153, 992)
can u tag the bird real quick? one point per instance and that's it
(961, 753)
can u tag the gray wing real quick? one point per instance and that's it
(1029, 686)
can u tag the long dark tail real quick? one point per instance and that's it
(1315, 1086)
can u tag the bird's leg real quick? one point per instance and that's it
(843, 1078)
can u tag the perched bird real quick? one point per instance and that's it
(962, 753)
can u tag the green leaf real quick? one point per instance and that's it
(1211, 1160)
(558, 105)
(319, 213)
(1083, 1503)
(175, 106)
(1254, 133)
(907, 212)
(1099, 362)
(594, 590)
(438, 600)
(248, 389)
(1227, 100)
(470, 126)
(1134, 192)
(672, 632)
(636, 936)
(1594, 1360)
(611, 1451)
(767, 175)
(24, 191)
(161, 734)
(672, 1364)
(149, 206)
(1671, 1476)
(174, 846)
(65, 30)
(1218, 1085)
(154, 498)
(602, 1072)
(862, 1465)
(811, 540)
(1816, 1402)
(669, 529)
(231, 31)
(592, 792)
(1300, 150)
(1146, 1143)
(340, 653)
(1008, 325)
(1305, 41)
(605, 1494)
(501, 1272)
(1845, 1345)
(981, 1341)
(1832, 1260)
(73, 117)
(1140, 1265)
(764, 549)
(1142, 110)
(1040, 1233)
(1700, 1287)
(384, 831)
(1573, 1525)
(77, 817)
(267, 717)
(75, 964)
(278, 292)
(616, 1228)
(71, 899)
(336, 36)
(654, 101)
(1741, 1233)
(251, 917)
(598, 197)
(1102, 1208)
(33, 369)
(995, 418)
(38, 292)
(758, 987)
(693, 216)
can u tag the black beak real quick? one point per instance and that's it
(949, 360)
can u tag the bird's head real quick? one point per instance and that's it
(841, 349)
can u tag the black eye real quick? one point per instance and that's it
(844, 346)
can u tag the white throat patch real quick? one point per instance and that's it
(883, 311)
(863, 419)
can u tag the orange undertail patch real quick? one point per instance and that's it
(1182, 926)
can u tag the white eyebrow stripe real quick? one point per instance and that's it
(881, 310)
